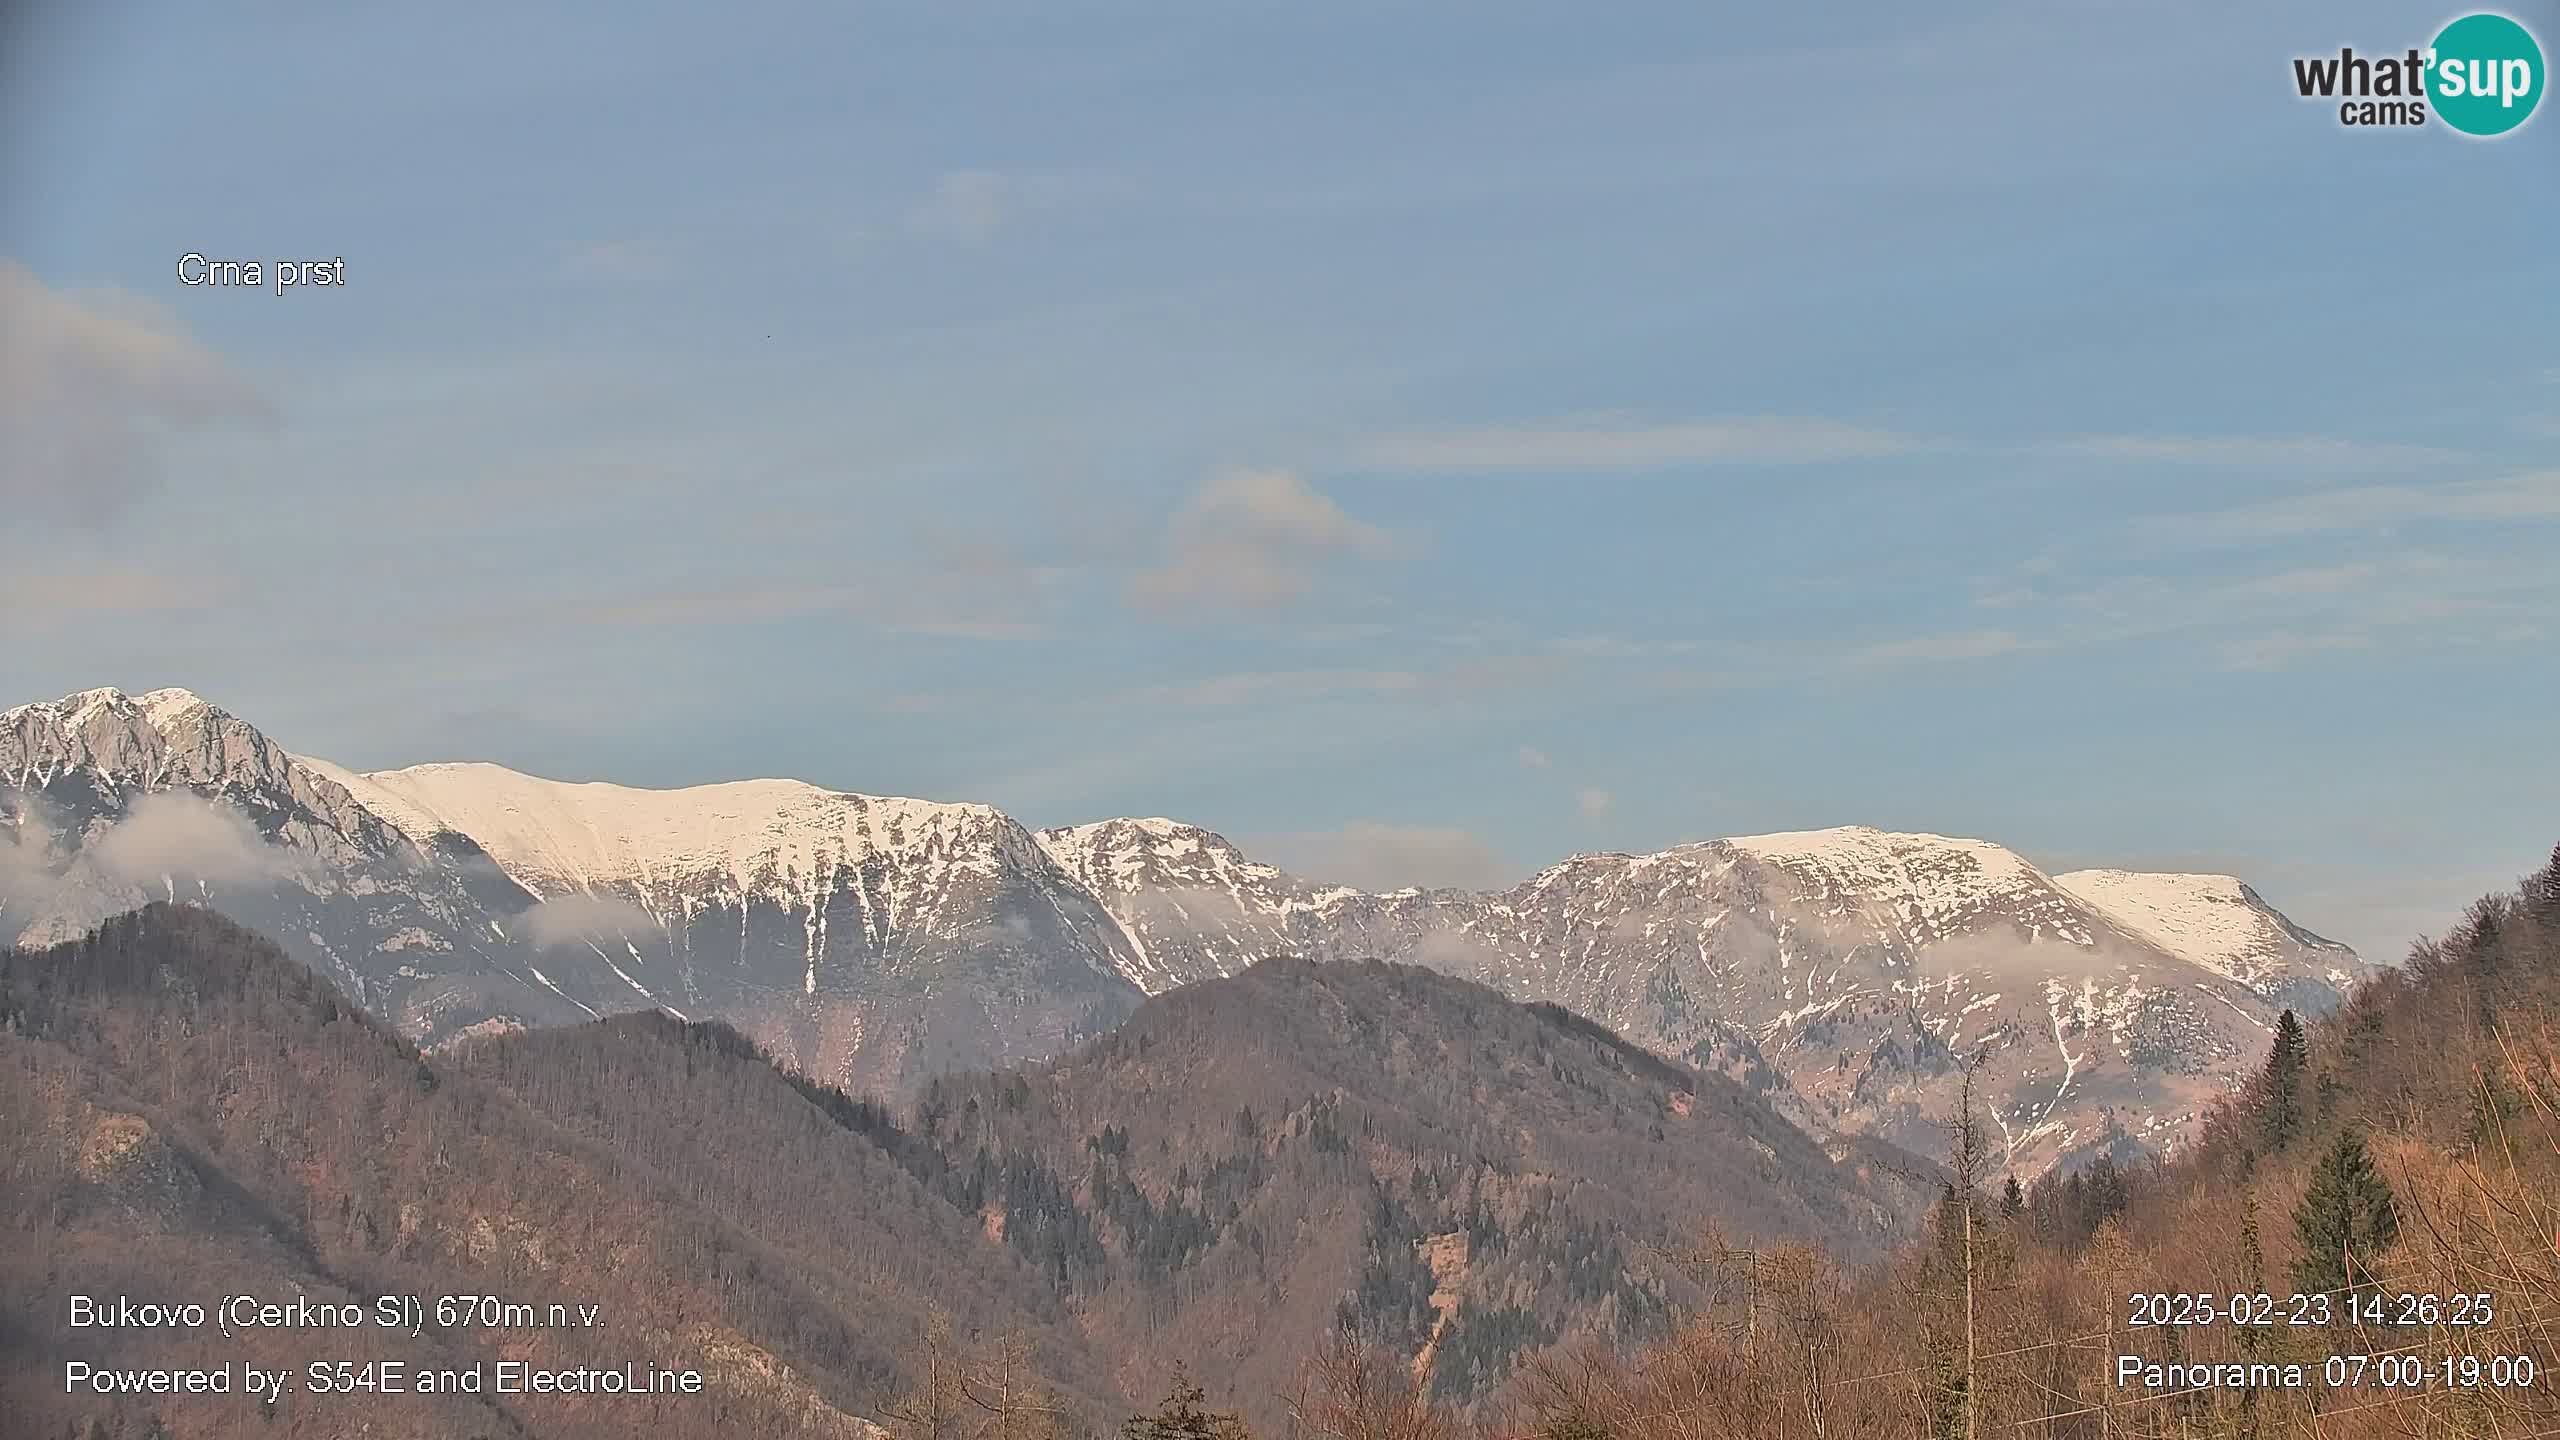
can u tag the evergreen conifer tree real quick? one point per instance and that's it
(2542, 890)
(2281, 1094)
(2347, 1218)
(1183, 1416)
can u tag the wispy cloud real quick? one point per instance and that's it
(730, 605)
(1951, 645)
(1592, 802)
(1531, 757)
(1280, 687)
(973, 206)
(1622, 647)
(40, 600)
(2322, 452)
(2312, 580)
(620, 260)
(1602, 443)
(2277, 649)
(2391, 596)
(89, 386)
(1250, 539)
(940, 586)
(2530, 496)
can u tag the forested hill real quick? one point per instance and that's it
(191, 1115)
(1249, 1166)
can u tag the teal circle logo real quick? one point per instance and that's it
(2484, 74)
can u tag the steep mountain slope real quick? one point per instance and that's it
(109, 800)
(193, 1116)
(1192, 905)
(862, 938)
(1251, 1162)
(1843, 972)
(2218, 922)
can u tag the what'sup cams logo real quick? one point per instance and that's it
(2482, 75)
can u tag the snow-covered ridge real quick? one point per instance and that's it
(1920, 863)
(1931, 882)
(2215, 921)
(1121, 853)
(554, 836)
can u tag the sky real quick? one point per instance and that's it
(1419, 441)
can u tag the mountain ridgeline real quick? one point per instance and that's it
(1242, 1168)
(874, 942)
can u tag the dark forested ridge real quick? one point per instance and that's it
(1245, 1168)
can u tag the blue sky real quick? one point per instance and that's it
(1418, 440)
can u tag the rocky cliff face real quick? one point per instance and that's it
(108, 801)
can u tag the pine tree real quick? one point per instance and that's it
(1181, 1416)
(2013, 1201)
(1962, 1265)
(2347, 1218)
(2281, 1092)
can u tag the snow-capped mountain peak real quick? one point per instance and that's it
(2218, 922)
(1119, 854)
(1872, 858)
(104, 740)
(112, 799)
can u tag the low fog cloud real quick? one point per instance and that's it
(184, 837)
(1454, 952)
(27, 864)
(2007, 953)
(580, 919)
(1371, 855)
